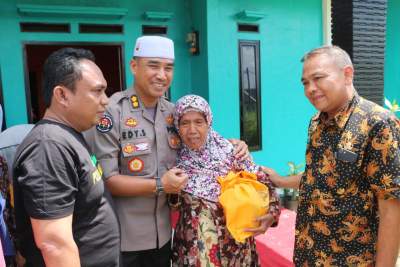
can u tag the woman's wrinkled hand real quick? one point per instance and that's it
(241, 151)
(265, 222)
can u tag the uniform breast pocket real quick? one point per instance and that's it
(137, 157)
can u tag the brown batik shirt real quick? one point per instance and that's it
(350, 164)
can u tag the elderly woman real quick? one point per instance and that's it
(201, 237)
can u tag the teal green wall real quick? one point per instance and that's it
(287, 31)
(11, 42)
(392, 52)
(199, 63)
(11, 62)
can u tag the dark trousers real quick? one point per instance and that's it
(148, 258)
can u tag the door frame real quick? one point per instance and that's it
(26, 71)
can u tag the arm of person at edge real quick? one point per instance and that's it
(388, 245)
(241, 150)
(282, 182)
(55, 240)
(387, 193)
(19, 259)
(173, 181)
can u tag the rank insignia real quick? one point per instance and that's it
(135, 165)
(129, 149)
(131, 122)
(135, 101)
(105, 124)
(170, 119)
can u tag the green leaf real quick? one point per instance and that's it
(294, 169)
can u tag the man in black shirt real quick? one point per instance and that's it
(62, 215)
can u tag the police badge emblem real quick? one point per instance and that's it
(105, 124)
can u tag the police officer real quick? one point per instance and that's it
(136, 144)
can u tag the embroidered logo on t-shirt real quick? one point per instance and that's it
(98, 173)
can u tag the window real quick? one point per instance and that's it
(44, 27)
(101, 28)
(250, 115)
(154, 30)
(248, 27)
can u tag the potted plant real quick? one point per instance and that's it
(291, 196)
(393, 106)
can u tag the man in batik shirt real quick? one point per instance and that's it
(349, 207)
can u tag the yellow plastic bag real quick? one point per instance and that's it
(243, 199)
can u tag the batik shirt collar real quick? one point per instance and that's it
(341, 117)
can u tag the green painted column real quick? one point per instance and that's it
(392, 53)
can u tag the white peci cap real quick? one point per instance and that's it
(154, 46)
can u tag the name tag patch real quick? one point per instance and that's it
(129, 134)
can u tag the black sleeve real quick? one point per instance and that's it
(48, 180)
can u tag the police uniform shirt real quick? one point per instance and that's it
(55, 176)
(130, 141)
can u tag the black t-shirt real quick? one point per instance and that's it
(55, 176)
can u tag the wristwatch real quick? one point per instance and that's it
(159, 186)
